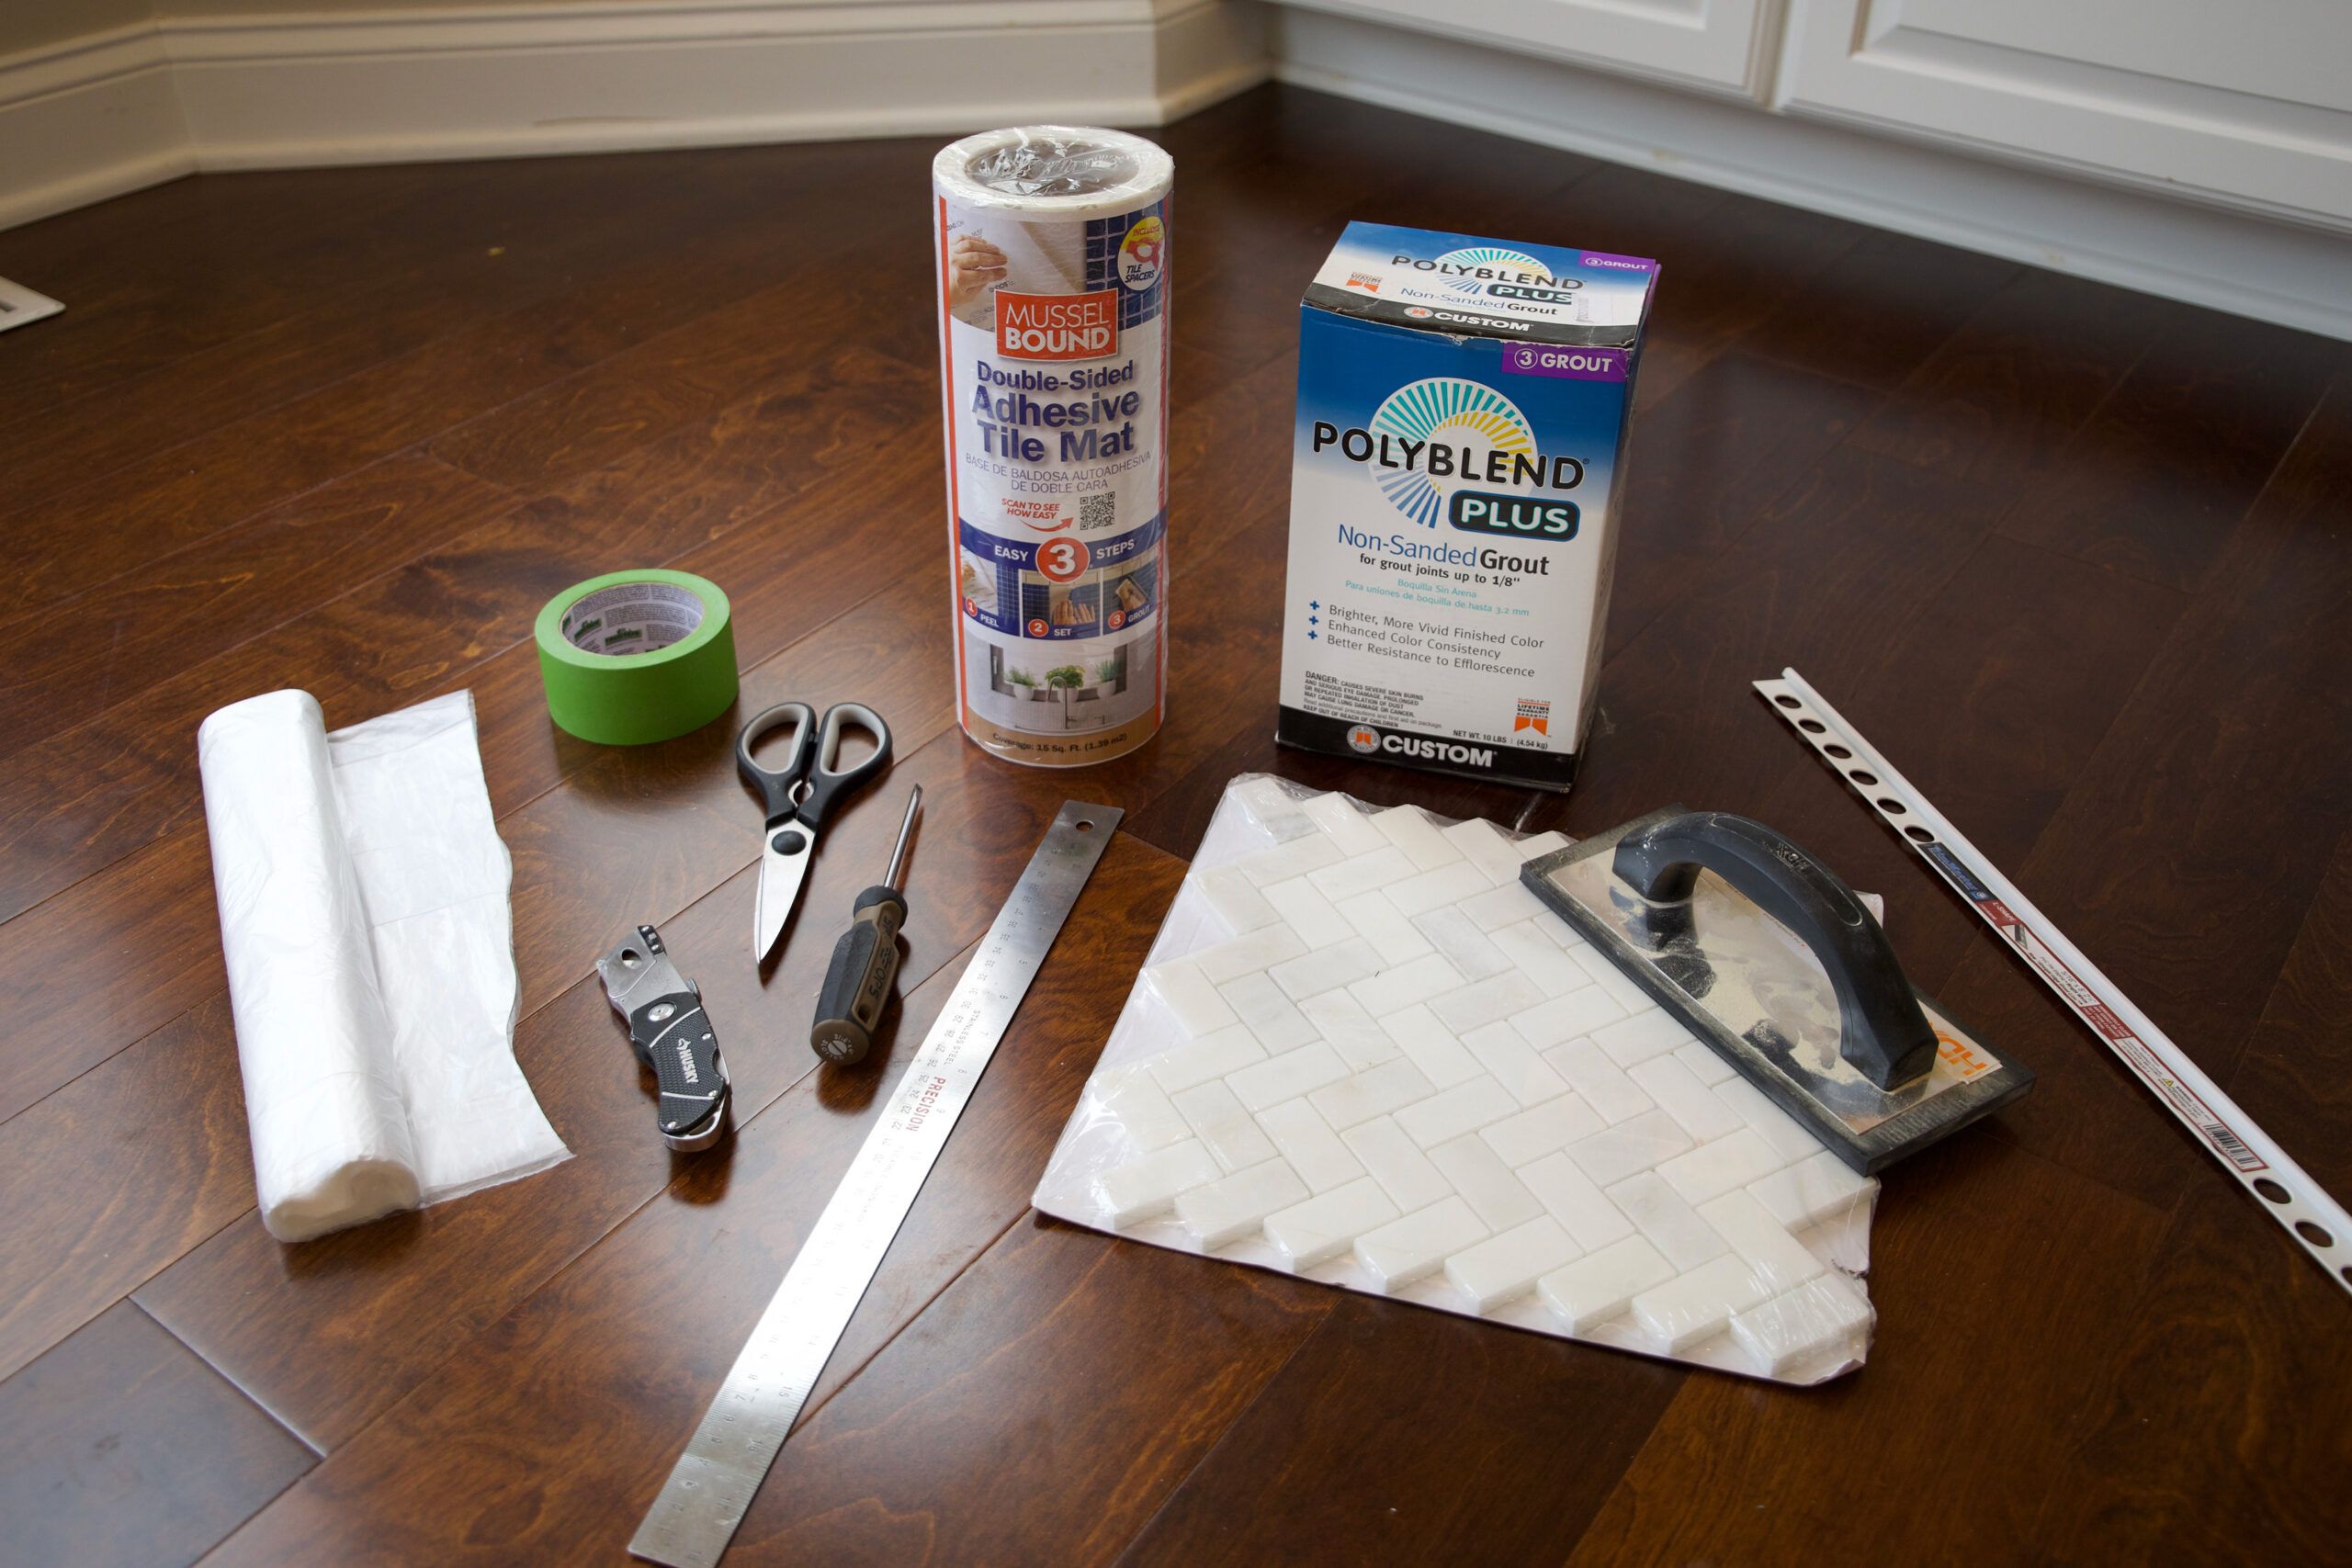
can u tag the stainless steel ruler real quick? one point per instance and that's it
(2300, 1204)
(713, 1482)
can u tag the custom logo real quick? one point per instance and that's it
(1494, 258)
(1057, 326)
(1143, 254)
(1437, 750)
(1533, 716)
(1474, 423)
(1363, 737)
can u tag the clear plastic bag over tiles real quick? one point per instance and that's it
(1361, 1052)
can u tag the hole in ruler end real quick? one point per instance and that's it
(1787, 702)
(2271, 1189)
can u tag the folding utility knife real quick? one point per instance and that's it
(672, 1036)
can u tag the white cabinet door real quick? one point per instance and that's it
(2241, 103)
(1725, 45)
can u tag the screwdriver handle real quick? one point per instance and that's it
(857, 981)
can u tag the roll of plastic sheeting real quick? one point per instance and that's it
(362, 889)
(1053, 334)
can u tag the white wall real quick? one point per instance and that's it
(32, 23)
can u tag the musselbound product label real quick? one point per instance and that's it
(1462, 417)
(1054, 352)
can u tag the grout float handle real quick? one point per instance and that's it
(1882, 1033)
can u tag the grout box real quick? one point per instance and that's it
(1456, 466)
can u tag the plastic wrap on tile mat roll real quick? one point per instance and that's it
(364, 921)
(1053, 338)
(1361, 1052)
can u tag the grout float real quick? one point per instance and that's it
(1459, 452)
(1053, 338)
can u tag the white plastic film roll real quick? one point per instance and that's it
(1052, 335)
(364, 923)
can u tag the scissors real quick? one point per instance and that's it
(797, 799)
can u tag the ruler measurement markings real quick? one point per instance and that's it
(712, 1486)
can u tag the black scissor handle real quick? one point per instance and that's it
(826, 779)
(777, 787)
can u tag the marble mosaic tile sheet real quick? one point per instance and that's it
(1361, 1052)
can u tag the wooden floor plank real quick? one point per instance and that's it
(120, 1446)
(1398, 1435)
(1826, 579)
(310, 348)
(1125, 1324)
(1876, 315)
(153, 620)
(244, 249)
(2227, 1340)
(1992, 701)
(2154, 482)
(2296, 1070)
(1706, 460)
(1983, 1257)
(2000, 399)
(1732, 268)
(152, 1159)
(621, 310)
(2182, 859)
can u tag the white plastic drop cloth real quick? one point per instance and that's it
(363, 889)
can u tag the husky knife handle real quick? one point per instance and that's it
(1881, 1032)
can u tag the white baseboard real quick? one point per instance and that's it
(86, 120)
(103, 116)
(2246, 265)
(99, 116)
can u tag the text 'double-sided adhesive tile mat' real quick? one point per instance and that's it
(1361, 1052)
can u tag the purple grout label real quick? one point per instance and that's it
(1574, 363)
(1616, 263)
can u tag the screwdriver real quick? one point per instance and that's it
(865, 960)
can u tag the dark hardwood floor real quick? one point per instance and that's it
(2079, 559)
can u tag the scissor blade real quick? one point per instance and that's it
(780, 878)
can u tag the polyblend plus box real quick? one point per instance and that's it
(1458, 462)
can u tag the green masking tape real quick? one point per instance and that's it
(634, 657)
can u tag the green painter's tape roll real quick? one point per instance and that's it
(634, 657)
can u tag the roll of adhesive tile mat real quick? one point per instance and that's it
(1053, 338)
(364, 919)
(635, 657)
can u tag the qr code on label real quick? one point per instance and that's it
(1097, 511)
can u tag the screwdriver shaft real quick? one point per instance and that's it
(895, 877)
